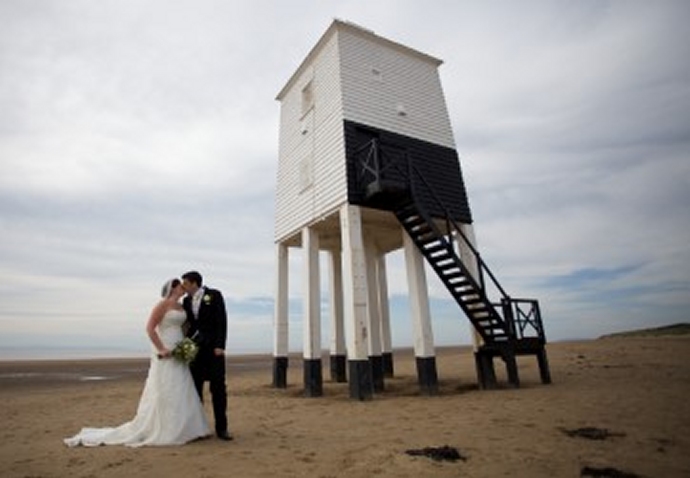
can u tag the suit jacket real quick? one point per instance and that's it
(209, 329)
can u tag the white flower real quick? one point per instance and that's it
(185, 350)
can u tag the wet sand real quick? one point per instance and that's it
(619, 405)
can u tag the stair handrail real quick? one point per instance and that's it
(375, 148)
(515, 325)
(482, 266)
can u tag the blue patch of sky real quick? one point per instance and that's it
(589, 276)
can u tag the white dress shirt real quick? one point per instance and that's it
(196, 301)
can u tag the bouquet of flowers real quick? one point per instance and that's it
(185, 350)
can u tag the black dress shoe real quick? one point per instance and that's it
(225, 436)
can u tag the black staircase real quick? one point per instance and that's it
(440, 254)
(508, 327)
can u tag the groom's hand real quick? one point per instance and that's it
(219, 352)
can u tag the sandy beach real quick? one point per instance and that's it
(617, 407)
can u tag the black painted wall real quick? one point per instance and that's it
(438, 165)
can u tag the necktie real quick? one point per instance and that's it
(196, 302)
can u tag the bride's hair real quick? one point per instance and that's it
(169, 286)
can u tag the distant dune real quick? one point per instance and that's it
(675, 329)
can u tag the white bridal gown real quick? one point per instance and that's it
(169, 412)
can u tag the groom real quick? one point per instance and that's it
(207, 322)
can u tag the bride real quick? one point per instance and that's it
(170, 411)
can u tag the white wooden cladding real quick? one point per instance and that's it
(313, 144)
(391, 89)
(351, 74)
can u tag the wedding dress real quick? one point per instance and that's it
(169, 412)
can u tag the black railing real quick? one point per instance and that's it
(376, 164)
(369, 168)
(522, 316)
(525, 318)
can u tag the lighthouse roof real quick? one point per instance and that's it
(341, 25)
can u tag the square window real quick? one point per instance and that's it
(307, 98)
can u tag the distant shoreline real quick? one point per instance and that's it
(30, 354)
(38, 374)
(125, 356)
(20, 355)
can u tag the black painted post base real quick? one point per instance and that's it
(313, 380)
(427, 375)
(338, 368)
(387, 364)
(280, 366)
(377, 372)
(543, 362)
(486, 374)
(512, 369)
(361, 384)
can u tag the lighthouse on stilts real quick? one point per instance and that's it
(368, 166)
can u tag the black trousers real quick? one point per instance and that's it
(211, 368)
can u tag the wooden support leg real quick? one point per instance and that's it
(427, 375)
(313, 380)
(338, 368)
(388, 368)
(486, 374)
(511, 368)
(355, 304)
(280, 343)
(280, 366)
(361, 384)
(377, 372)
(544, 371)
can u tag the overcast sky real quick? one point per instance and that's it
(139, 139)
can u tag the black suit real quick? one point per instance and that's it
(209, 330)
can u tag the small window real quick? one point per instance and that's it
(377, 74)
(307, 98)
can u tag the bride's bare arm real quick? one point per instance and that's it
(155, 319)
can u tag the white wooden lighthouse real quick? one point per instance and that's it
(368, 165)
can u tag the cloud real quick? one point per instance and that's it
(140, 139)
